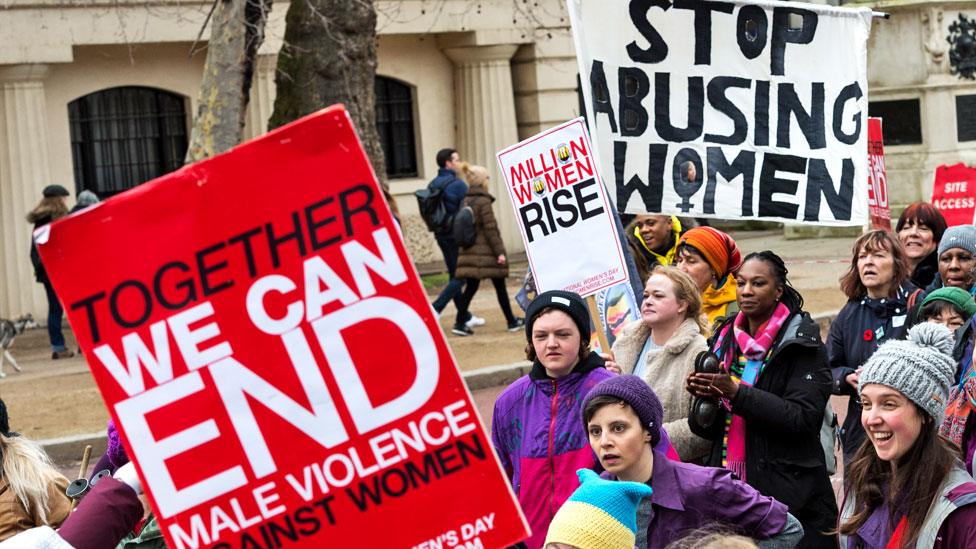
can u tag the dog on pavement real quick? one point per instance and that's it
(9, 330)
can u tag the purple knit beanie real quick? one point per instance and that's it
(638, 395)
(116, 452)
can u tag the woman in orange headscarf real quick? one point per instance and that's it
(710, 257)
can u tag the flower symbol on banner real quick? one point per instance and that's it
(868, 335)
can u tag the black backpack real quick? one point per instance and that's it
(463, 229)
(433, 210)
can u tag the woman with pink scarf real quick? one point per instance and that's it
(772, 391)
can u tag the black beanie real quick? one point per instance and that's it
(567, 302)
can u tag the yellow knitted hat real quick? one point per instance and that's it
(601, 514)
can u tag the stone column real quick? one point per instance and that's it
(260, 106)
(24, 171)
(484, 103)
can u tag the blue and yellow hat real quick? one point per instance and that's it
(601, 514)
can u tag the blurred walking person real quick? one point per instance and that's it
(486, 257)
(453, 190)
(52, 207)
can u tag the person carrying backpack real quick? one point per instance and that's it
(484, 257)
(452, 191)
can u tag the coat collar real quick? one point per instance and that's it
(664, 483)
(686, 333)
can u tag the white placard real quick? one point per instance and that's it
(736, 110)
(563, 211)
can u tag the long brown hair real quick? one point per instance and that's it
(52, 207)
(851, 283)
(914, 486)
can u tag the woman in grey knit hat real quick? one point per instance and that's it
(906, 486)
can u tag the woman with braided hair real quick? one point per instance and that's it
(773, 389)
(31, 489)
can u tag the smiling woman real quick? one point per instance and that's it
(930, 500)
(920, 229)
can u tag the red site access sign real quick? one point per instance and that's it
(954, 193)
(265, 346)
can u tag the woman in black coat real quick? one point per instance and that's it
(773, 392)
(878, 293)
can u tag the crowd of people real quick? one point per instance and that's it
(709, 419)
(706, 425)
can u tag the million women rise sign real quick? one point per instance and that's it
(273, 365)
(563, 211)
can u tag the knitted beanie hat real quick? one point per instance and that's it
(567, 302)
(719, 249)
(601, 514)
(921, 367)
(960, 236)
(957, 296)
(116, 452)
(638, 395)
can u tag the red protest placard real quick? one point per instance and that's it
(878, 208)
(954, 193)
(265, 346)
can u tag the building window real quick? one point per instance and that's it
(122, 137)
(394, 123)
(902, 120)
(966, 117)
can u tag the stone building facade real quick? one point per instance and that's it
(99, 94)
(929, 109)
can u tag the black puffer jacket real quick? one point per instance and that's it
(784, 412)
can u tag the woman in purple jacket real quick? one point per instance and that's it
(535, 426)
(622, 417)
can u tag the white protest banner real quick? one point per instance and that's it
(563, 211)
(742, 110)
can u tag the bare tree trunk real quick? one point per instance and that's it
(237, 32)
(329, 56)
